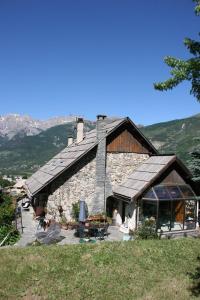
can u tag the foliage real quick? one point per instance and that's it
(141, 269)
(63, 220)
(197, 7)
(109, 220)
(194, 165)
(147, 230)
(24, 154)
(75, 210)
(178, 136)
(12, 237)
(171, 135)
(5, 182)
(7, 211)
(184, 69)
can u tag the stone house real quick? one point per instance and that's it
(114, 168)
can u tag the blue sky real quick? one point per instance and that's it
(87, 57)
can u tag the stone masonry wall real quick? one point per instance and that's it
(81, 183)
(65, 191)
(121, 165)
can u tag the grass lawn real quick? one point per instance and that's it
(147, 269)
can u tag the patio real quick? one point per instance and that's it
(69, 236)
(30, 227)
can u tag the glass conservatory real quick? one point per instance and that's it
(173, 207)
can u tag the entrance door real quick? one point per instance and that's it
(179, 211)
(124, 206)
(177, 215)
(111, 205)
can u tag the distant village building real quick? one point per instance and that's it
(117, 170)
(18, 187)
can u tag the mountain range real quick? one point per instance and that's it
(178, 136)
(26, 144)
(13, 124)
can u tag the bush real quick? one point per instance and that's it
(13, 236)
(147, 230)
(75, 210)
(7, 211)
(7, 214)
(4, 182)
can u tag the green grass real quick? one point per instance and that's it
(150, 269)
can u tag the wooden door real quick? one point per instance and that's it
(179, 211)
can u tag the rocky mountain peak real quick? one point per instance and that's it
(13, 124)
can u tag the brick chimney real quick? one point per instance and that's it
(80, 127)
(99, 204)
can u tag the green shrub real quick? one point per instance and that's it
(12, 237)
(75, 210)
(146, 231)
(7, 211)
(5, 182)
(7, 214)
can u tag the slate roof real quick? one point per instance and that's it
(67, 157)
(71, 154)
(144, 176)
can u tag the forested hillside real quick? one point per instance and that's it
(25, 154)
(177, 136)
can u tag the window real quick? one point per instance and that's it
(172, 206)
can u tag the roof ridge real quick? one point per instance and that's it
(72, 154)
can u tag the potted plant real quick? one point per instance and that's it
(63, 222)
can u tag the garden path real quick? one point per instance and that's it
(29, 227)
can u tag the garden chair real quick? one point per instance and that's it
(93, 231)
(81, 233)
(102, 232)
(41, 223)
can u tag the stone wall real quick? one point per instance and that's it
(80, 183)
(121, 165)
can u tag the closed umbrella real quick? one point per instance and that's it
(82, 211)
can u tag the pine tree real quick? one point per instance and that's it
(184, 69)
(194, 165)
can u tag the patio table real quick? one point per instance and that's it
(92, 230)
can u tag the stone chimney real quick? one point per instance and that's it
(99, 204)
(80, 127)
(70, 140)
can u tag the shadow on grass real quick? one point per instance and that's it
(195, 288)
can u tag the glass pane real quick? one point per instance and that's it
(148, 210)
(190, 218)
(178, 210)
(174, 191)
(150, 195)
(162, 192)
(187, 191)
(164, 216)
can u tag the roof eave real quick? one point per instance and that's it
(143, 136)
(174, 158)
(76, 160)
(57, 175)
